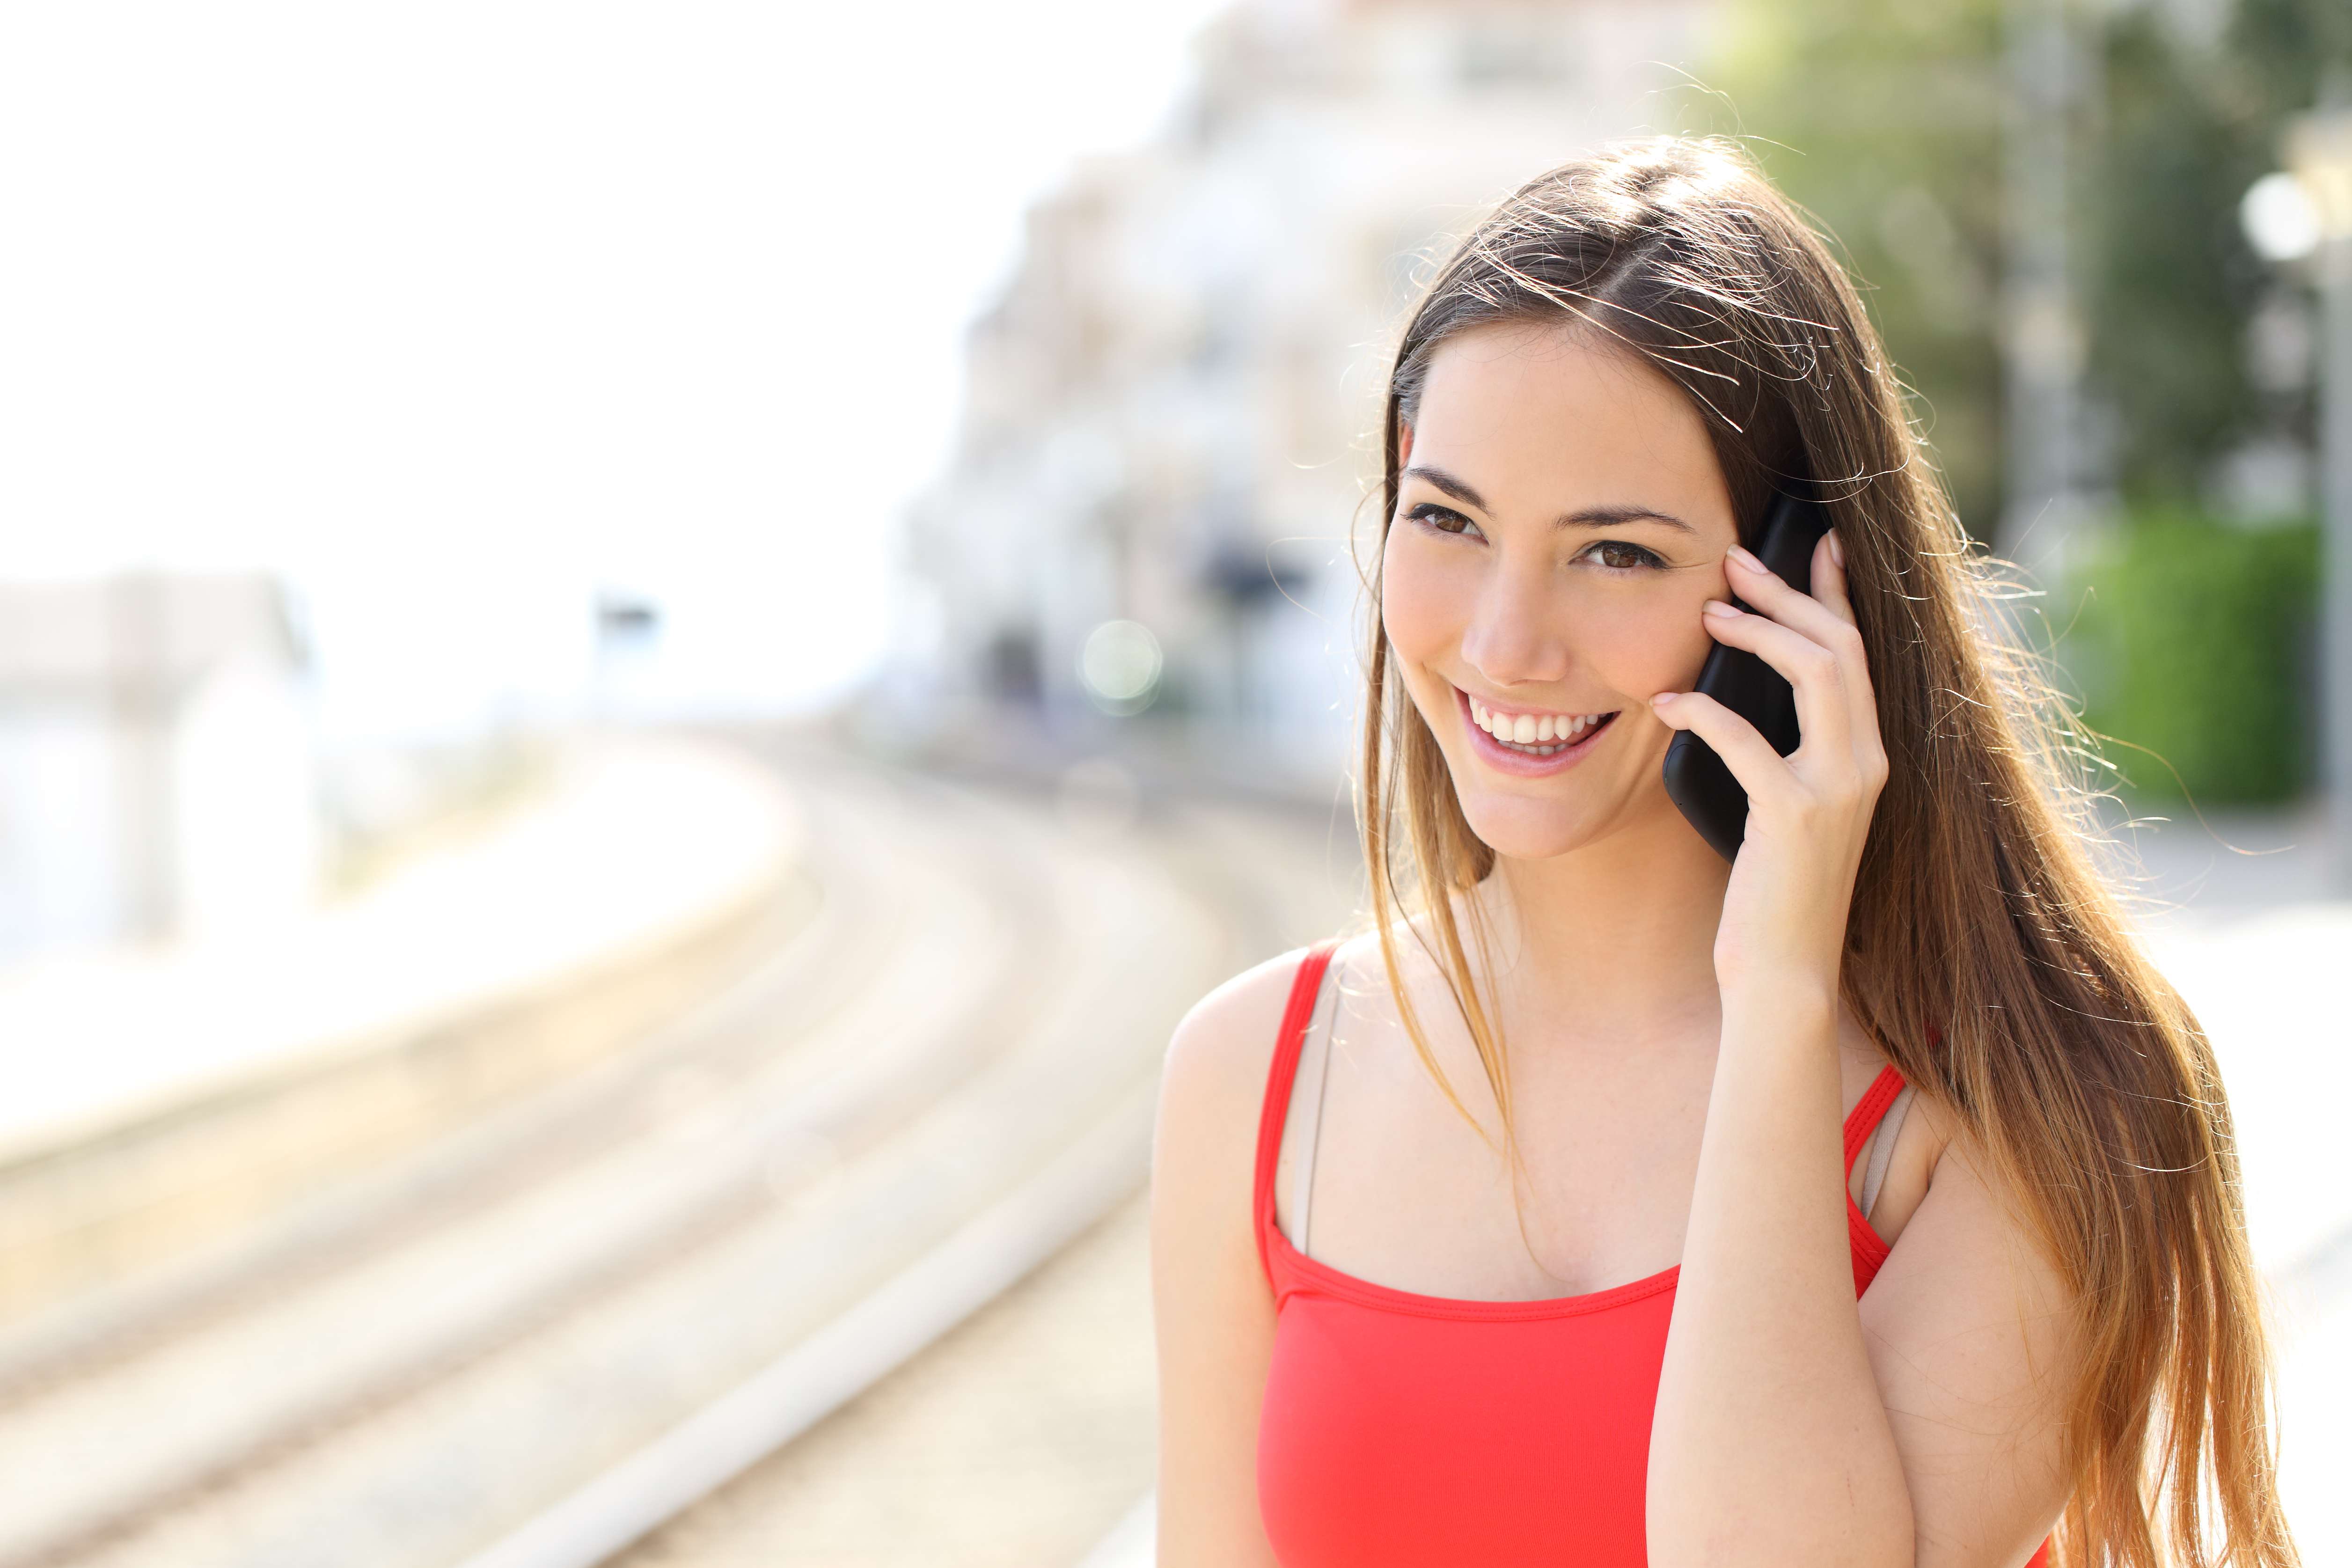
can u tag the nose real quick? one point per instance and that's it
(1516, 635)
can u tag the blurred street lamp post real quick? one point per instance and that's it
(2319, 155)
(2042, 332)
(627, 628)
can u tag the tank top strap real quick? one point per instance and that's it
(1303, 988)
(1863, 1120)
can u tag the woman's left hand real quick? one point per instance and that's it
(1784, 913)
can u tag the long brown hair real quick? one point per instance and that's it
(1984, 951)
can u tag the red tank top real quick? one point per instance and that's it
(1408, 1429)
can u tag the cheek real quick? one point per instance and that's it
(1422, 605)
(1640, 644)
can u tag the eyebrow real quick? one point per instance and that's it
(1583, 517)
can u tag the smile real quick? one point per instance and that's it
(1546, 740)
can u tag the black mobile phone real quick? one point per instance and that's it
(1697, 779)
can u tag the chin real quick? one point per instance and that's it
(1520, 827)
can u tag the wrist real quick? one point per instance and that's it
(1780, 1006)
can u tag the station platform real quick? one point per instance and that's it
(634, 843)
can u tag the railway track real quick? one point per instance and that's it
(541, 1334)
(1025, 1435)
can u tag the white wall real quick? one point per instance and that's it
(60, 852)
(245, 840)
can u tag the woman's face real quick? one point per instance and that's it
(1561, 519)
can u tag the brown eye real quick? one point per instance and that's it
(1444, 519)
(1618, 555)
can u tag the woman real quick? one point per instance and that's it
(1510, 1232)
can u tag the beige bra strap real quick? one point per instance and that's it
(1882, 1149)
(1318, 1051)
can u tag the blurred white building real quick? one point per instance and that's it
(156, 767)
(1172, 413)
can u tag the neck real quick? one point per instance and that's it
(1618, 934)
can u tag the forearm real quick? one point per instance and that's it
(1770, 1443)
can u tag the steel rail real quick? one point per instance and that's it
(931, 1088)
(75, 1479)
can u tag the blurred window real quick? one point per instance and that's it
(1493, 54)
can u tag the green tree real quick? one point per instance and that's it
(1885, 118)
(2188, 124)
(2190, 641)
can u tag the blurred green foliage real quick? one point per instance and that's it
(2170, 281)
(1884, 118)
(2192, 647)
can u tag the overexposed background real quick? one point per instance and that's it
(456, 315)
(645, 651)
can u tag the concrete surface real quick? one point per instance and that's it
(635, 840)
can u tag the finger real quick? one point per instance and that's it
(1828, 576)
(1765, 592)
(1829, 623)
(1829, 588)
(1825, 716)
(1760, 770)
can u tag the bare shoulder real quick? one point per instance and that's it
(1213, 1306)
(1940, 1182)
(1921, 1136)
(1977, 1341)
(1224, 1046)
(1972, 1278)
(1203, 1155)
(1211, 1093)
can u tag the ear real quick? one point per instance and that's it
(1404, 445)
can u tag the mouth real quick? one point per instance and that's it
(1531, 742)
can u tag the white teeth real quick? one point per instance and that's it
(1533, 729)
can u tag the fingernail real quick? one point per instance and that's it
(1837, 549)
(1663, 698)
(1717, 607)
(1745, 560)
